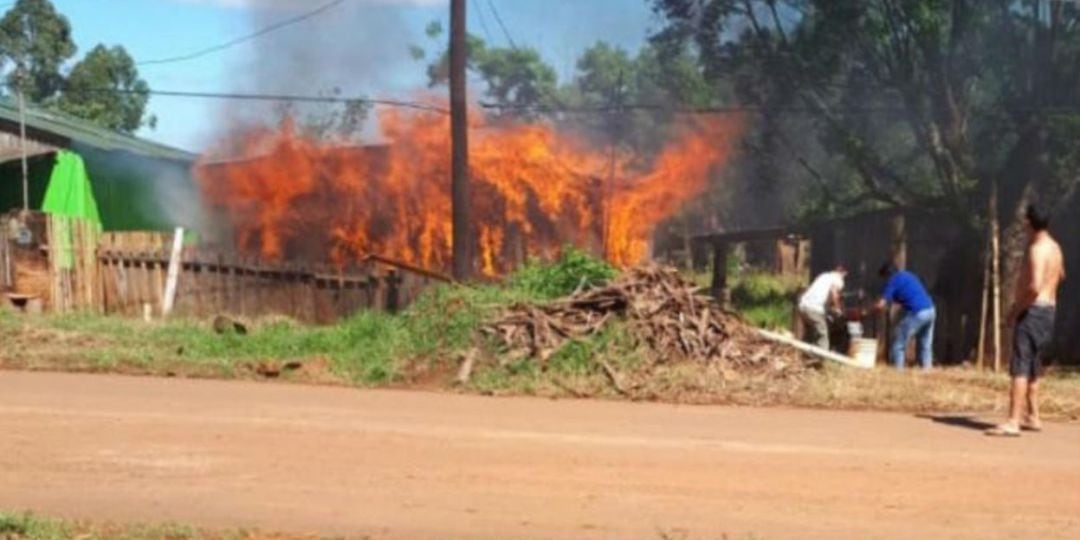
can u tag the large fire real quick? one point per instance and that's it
(534, 190)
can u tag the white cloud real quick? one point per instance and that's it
(298, 4)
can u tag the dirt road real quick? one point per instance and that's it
(415, 465)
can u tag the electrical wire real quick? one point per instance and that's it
(275, 97)
(600, 109)
(483, 23)
(499, 19)
(730, 109)
(243, 39)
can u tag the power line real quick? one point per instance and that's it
(724, 109)
(484, 24)
(740, 109)
(498, 19)
(232, 43)
(275, 97)
(599, 109)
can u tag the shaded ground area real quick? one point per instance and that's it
(390, 464)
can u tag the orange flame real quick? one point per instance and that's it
(534, 190)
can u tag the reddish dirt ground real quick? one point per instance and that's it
(390, 464)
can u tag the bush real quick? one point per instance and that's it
(764, 299)
(574, 268)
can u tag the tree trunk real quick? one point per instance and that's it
(1014, 241)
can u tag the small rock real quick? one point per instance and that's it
(224, 325)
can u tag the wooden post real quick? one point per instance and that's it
(980, 354)
(221, 298)
(459, 135)
(174, 272)
(19, 73)
(898, 227)
(157, 268)
(393, 292)
(995, 254)
(719, 282)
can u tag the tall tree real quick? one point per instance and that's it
(928, 103)
(35, 41)
(517, 80)
(105, 88)
(637, 93)
(340, 122)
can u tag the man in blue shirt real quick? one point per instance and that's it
(905, 288)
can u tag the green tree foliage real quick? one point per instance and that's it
(342, 122)
(637, 93)
(35, 41)
(105, 88)
(915, 103)
(573, 270)
(928, 102)
(516, 80)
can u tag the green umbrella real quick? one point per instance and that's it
(69, 194)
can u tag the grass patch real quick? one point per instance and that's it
(374, 349)
(368, 348)
(576, 369)
(574, 269)
(25, 526)
(765, 300)
(421, 348)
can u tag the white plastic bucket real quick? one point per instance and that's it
(864, 351)
(854, 329)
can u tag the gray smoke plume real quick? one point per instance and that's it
(357, 48)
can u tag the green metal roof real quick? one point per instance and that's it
(86, 133)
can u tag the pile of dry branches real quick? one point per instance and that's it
(666, 315)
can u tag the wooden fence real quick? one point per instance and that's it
(72, 245)
(71, 267)
(49, 259)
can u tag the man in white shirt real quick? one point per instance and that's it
(819, 300)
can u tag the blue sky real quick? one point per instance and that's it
(360, 47)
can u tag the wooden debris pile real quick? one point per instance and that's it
(668, 316)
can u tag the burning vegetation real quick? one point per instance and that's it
(534, 190)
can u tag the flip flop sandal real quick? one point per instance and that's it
(1030, 427)
(1003, 431)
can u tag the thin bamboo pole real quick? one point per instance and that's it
(980, 355)
(995, 254)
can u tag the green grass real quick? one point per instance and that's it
(573, 269)
(423, 345)
(765, 300)
(368, 348)
(32, 528)
(575, 369)
(25, 526)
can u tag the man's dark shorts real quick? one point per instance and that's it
(1034, 332)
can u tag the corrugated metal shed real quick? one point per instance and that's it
(63, 130)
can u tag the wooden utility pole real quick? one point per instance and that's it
(459, 134)
(614, 136)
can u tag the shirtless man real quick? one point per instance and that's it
(1033, 312)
